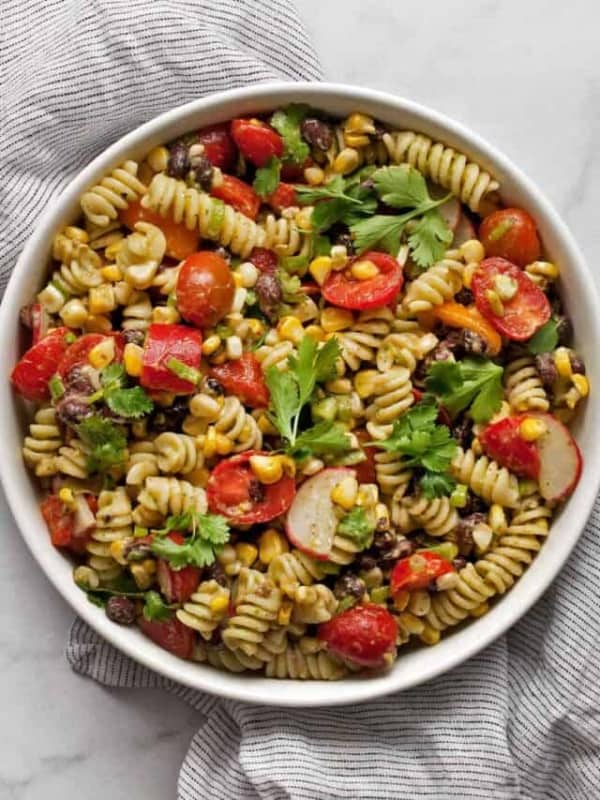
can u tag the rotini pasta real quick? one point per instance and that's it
(116, 191)
(524, 388)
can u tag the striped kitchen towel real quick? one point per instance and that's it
(521, 719)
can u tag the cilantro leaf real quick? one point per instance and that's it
(429, 239)
(435, 484)
(266, 179)
(113, 377)
(475, 382)
(323, 438)
(333, 203)
(104, 441)
(333, 189)
(545, 339)
(131, 403)
(379, 229)
(155, 607)
(210, 532)
(401, 186)
(284, 404)
(356, 526)
(286, 122)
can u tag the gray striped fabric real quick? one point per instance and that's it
(518, 721)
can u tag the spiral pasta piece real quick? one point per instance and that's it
(405, 349)
(305, 661)
(524, 388)
(486, 478)
(291, 570)
(313, 604)
(393, 395)
(137, 313)
(284, 236)
(238, 426)
(140, 255)
(363, 340)
(444, 165)
(79, 272)
(206, 608)
(223, 658)
(113, 523)
(436, 516)
(440, 283)
(142, 463)
(72, 459)
(199, 211)
(115, 192)
(177, 453)
(450, 607)
(41, 447)
(256, 604)
(161, 496)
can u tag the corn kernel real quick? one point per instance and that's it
(476, 447)
(581, 383)
(345, 492)
(66, 496)
(219, 604)
(112, 251)
(497, 519)
(223, 444)
(506, 287)
(480, 610)
(401, 600)
(102, 299)
(467, 276)
(266, 427)
(315, 332)
(247, 553)
(367, 496)
(208, 443)
(117, 551)
(346, 161)
(248, 274)
(542, 269)
(168, 315)
(563, 362)
(198, 477)
(102, 354)
(111, 273)
(472, 251)
(320, 269)
(339, 386)
(73, 313)
(271, 544)
(233, 347)
(364, 270)
(86, 576)
(532, 428)
(495, 303)
(158, 158)
(339, 256)
(430, 635)
(132, 359)
(314, 176)
(336, 319)
(355, 140)
(211, 345)
(290, 329)
(312, 466)
(285, 612)
(359, 123)
(364, 382)
(97, 323)
(268, 469)
(141, 576)
(149, 564)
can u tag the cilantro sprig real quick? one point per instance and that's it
(131, 403)
(293, 388)
(209, 534)
(545, 339)
(404, 187)
(424, 444)
(154, 608)
(287, 122)
(105, 443)
(338, 200)
(473, 383)
(266, 178)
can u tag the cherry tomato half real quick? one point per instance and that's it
(205, 288)
(283, 197)
(170, 634)
(341, 290)
(35, 368)
(166, 342)
(77, 354)
(257, 141)
(177, 585)
(502, 442)
(181, 241)
(524, 313)
(364, 634)
(418, 571)
(235, 492)
(245, 379)
(512, 234)
(219, 147)
(238, 194)
(58, 519)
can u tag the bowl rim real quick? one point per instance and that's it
(467, 641)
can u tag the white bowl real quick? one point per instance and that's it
(581, 301)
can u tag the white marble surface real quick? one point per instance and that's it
(526, 75)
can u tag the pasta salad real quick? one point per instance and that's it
(300, 393)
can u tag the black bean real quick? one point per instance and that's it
(464, 296)
(179, 162)
(317, 133)
(546, 368)
(349, 585)
(133, 336)
(474, 505)
(384, 540)
(577, 365)
(214, 387)
(472, 343)
(171, 418)
(216, 573)
(366, 562)
(464, 531)
(270, 294)
(25, 316)
(564, 329)
(121, 610)
(462, 430)
(400, 549)
(203, 172)
(78, 380)
(72, 408)
(459, 563)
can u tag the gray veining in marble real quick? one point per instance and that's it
(526, 75)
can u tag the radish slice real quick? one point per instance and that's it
(83, 517)
(311, 520)
(463, 231)
(450, 211)
(560, 460)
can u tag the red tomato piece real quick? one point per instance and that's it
(258, 142)
(295, 172)
(181, 241)
(205, 288)
(59, 520)
(365, 634)
(237, 194)
(219, 147)
(77, 353)
(512, 234)
(40, 321)
(235, 492)
(365, 471)
(35, 368)
(418, 571)
(171, 635)
(264, 259)
(503, 442)
(245, 379)
(346, 292)
(524, 313)
(166, 342)
(284, 196)
(177, 585)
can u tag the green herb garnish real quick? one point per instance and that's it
(545, 339)
(266, 179)
(287, 122)
(474, 383)
(209, 533)
(106, 443)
